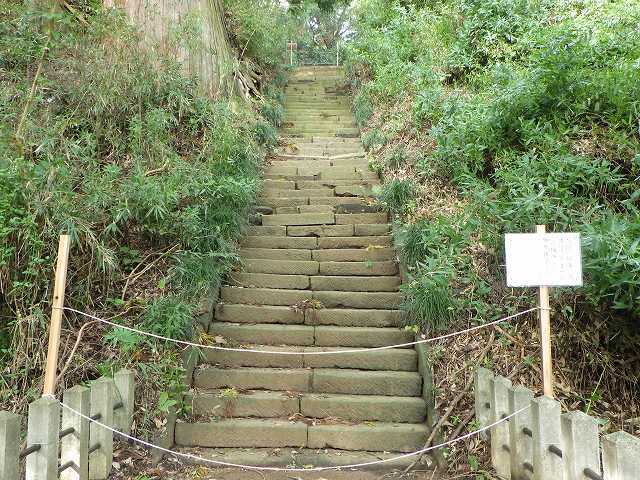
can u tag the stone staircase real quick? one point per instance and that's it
(318, 274)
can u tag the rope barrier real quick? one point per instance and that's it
(323, 352)
(192, 457)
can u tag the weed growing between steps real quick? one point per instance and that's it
(496, 117)
(152, 179)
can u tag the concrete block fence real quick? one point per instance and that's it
(542, 443)
(63, 445)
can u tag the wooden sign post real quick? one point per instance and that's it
(544, 260)
(57, 305)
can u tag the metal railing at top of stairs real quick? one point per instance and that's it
(302, 55)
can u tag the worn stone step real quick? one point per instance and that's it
(304, 457)
(396, 437)
(312, 184)
(361, 218)
(275, 253)
(367, 230)
(242, 432)
(320, 231)
(358, 268)
(291, 193)
(332, 336)
(291, 359)
(354, 317)
(396, 359)
(279, 184)
(306, 209)
(353, 382)
(279, 242)
(281, 267)
(354, 283)
(352, 254)
(265, 296)
(368, 300)
(267, 280)
(362, 408)
(300, 219)
(272, 231)
(337, 201)
(242, 313)
(290, 202)
(264, 334)
(276, 379)
(354, 242)
(253, 403)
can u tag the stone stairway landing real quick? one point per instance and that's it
(318, 274)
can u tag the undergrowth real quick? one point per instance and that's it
(152, 179)
(507, 114)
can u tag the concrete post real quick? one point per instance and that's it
(500, 455)
(546, 437)
(75, 447)
(620, 454)
(482, 388)
(43, 429)
(521, 445)
(101, 403)
(580, 445)
(9, 444)
(125, 382)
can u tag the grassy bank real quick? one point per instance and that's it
(492, 117)
(152, 179)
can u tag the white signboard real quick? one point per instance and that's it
(543, 259)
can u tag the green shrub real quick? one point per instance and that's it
(397, 195)
(429, 299)
(169, 317)
(396, 157)
(373, 139)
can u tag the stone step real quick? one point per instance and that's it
(349, 254)
(301, 219)
(306, 335)
(281, 267)
(321, 140)
(354, 242)
(314, 184)
(252, 241)
(353, 284)
(283, 254)
(353, 317)
(241, 432)
(317, 380)
(391, 437)
(265, 404)
(332, 336)
(306, 209)
(253, 403)
(266, 280)
(242, 313)
(272, 231)
(265, 334)
(304, 458)
(276, 433)
(396, 359)
(330, 299)
(365, 269)
(320, 230)
(292, 193)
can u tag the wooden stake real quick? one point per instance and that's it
(57, 304)
(545, 334)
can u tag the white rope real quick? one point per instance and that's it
(276, 352)
(276, 469)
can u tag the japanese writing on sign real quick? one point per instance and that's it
(543, 259)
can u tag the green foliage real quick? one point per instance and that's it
(261, 29)
(152, 179)
(373, 139)
(534, 121)
(397, 195)
(396, 157)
